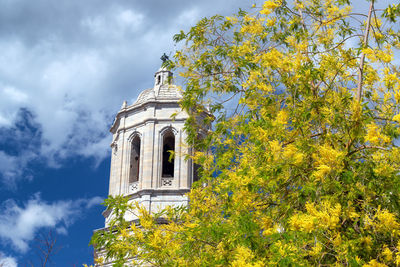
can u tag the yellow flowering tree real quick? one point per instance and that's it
(301, 166)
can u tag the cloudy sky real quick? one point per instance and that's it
(65, 69)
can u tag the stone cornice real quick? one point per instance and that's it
(155, 120)
(135, 107)
(156, 192)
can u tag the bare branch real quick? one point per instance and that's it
(365, 43)
(46, 247)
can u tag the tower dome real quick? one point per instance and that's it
(148, 149)
(163, 89)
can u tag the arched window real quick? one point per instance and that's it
(196, 167)
(196, 172)
(135, 160)
(167, 148)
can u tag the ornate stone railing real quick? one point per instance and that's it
(166, 181)
(133, 187)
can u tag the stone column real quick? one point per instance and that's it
(148, 158)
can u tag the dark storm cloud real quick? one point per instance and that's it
(34, 21)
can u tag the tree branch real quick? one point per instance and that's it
(367, 147)
(365, 43)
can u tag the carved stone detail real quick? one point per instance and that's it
(133, 187)
(166, 181)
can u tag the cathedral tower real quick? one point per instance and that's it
(148, 149)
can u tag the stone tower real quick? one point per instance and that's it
(144, 135)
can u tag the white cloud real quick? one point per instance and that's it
(67, 100)
(27, 219)
(73, 74)
(8, 165)
(11, 99)
(62, 230)
(129, 19)
(114, 24)
(96, 149)
(12, 167)
(5, 121)
(93, 202)
(188, 17)
(7, 261)
(14, 94)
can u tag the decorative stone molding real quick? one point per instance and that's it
(133, 187)
(133, 135)
(168, 128)
(114, 147)
(166, 181)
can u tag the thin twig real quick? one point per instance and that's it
(367, 147)
(311, 136)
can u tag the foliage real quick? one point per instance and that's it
(301, 166)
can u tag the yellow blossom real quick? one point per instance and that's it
(387, 254)
(324, 216)
(374, 263)
(386, 221)
(322, 171)
(243, 257)
(271, 22)
(275, 147)
(291, 153)
(316, 250)
(282, 117)
(375, 135)
(252, 28)
(269, 6)
(232, 20)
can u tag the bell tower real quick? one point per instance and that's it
(148, 148)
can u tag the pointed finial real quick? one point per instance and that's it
(124, 104)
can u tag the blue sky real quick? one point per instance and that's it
(65, 69)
